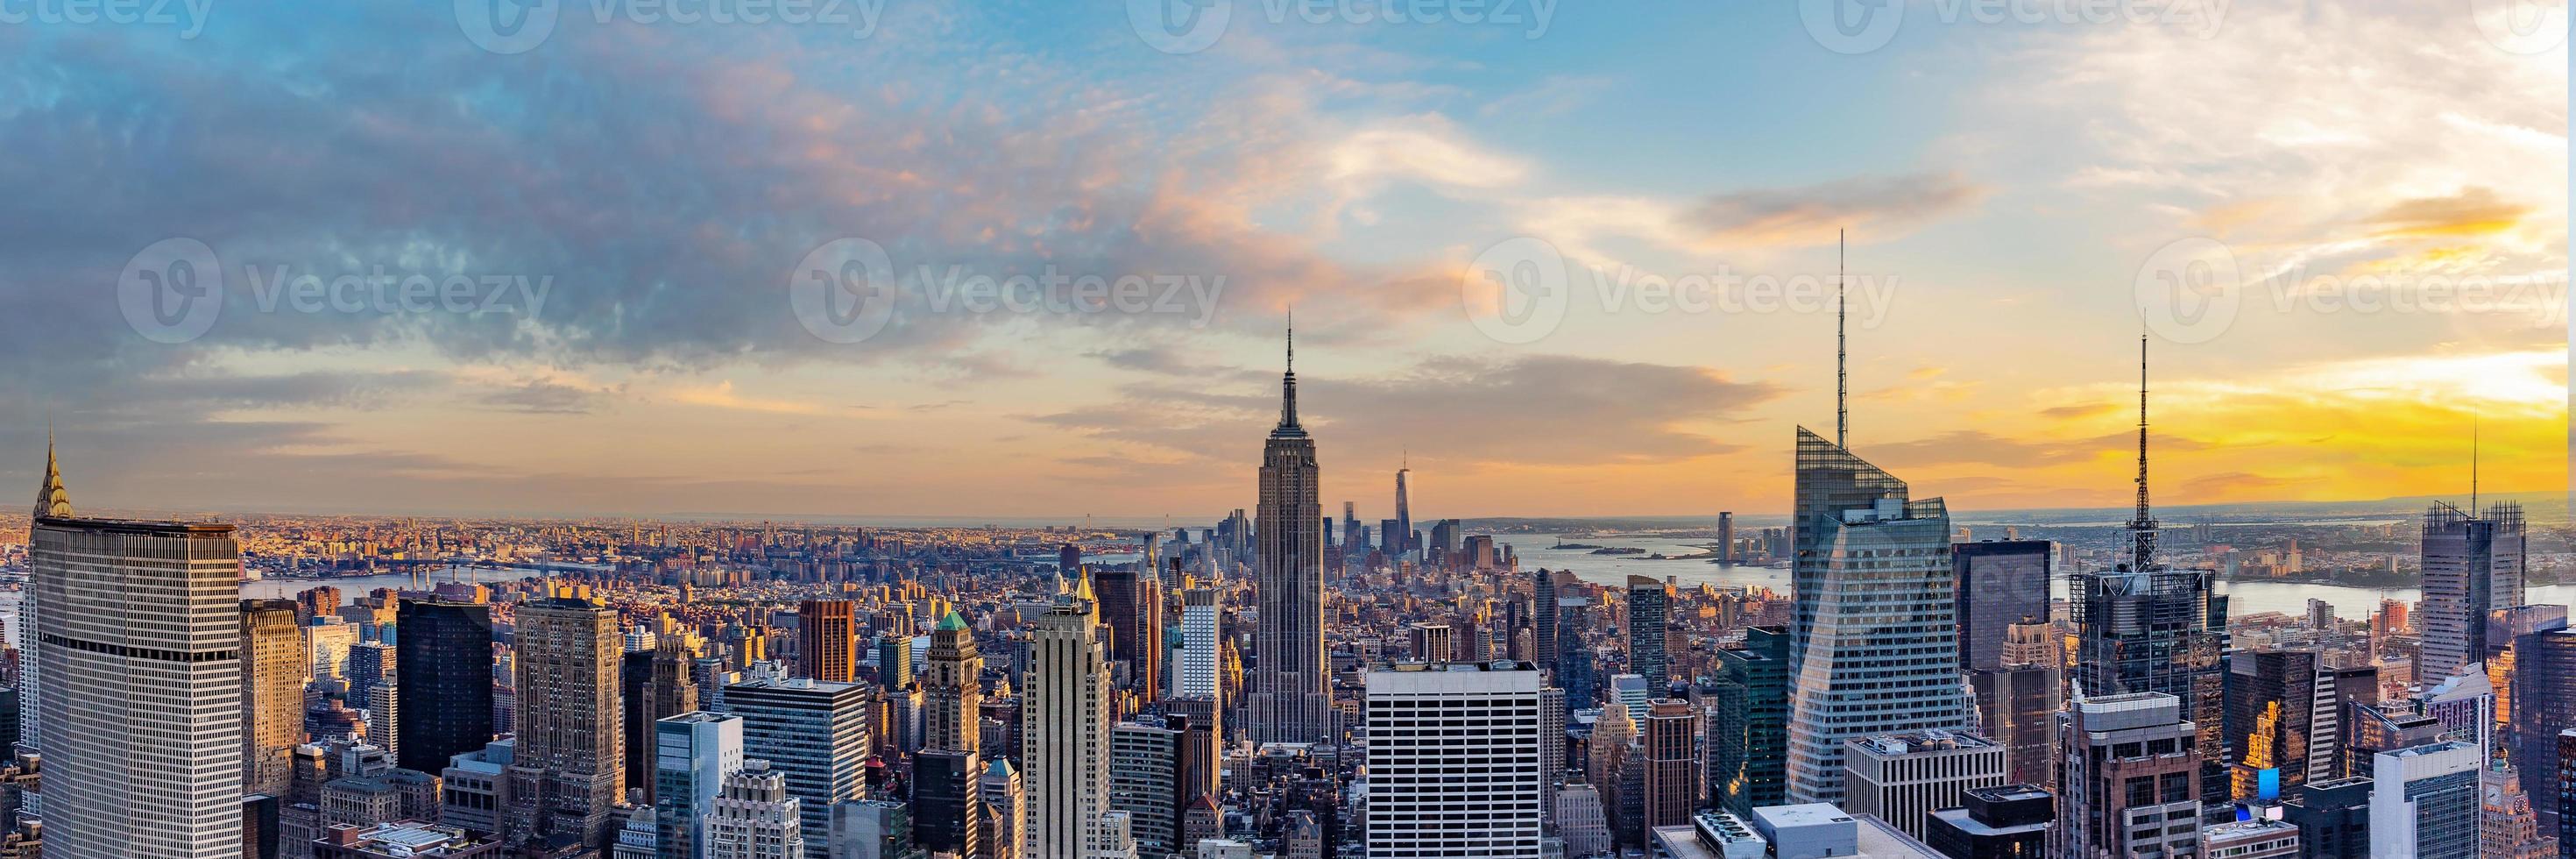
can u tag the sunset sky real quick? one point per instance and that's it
(2006, 187)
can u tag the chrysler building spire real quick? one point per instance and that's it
(52, 500)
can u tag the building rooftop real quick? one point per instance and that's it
(1912, 742)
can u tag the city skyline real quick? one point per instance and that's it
(2018, 198)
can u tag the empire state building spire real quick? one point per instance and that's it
(52, 500)
(1288, 427)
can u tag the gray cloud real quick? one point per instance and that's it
(1879, 207)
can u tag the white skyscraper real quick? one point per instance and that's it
(1456, 763)
(1200, 640)
(139, 675)
(2424, 801)
(1064, 717)
(754, 818)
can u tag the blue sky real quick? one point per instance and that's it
(637, 195)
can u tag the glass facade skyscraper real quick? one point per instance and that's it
(2472, 566)
(1873, 635)
(443, 660)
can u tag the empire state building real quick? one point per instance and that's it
(1291, 699)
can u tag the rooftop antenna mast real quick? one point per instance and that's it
(2473, 467)
(2143, 527)
(1842, 377)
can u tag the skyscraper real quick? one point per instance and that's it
(1064, 759)
(814, 733)
(1749, 734)
(1455, 761)
(1145, 781)
(2143, 626)
(2472, 566)
(274, 671)
(947, 803)
(2125, 759)
(2001, 583)
(2017, 703)
(138, 646)
(1401, 541)
(1650, 607)
(1543, 624)
(2424, 801)
(1291, 698)
(1201, 611)
(1872, 645)
(825, 638)
(572, 744)
(692, 753)
(754, 816)
(1668, 736)
(443, 660)
(1131, 605)
(2544, 704)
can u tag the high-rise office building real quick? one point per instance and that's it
(2017, 703)
(657, 685)
(894, 662)
(1904, 778)
(756, 817)
(2333, 817)
(139, 673)
(572, 742)
(826, 635)
(2472, 566)
(1749, 742)
(692, 753)
(2564, 799)
(1669, 738)
(1291, 699)
(2424, 801)
(1872, 646)
(2281, 720)
(1725, 537)
(2544, 704)
(1131, 606)
(813, 733)
(1455, 761)
(274, 672)
(1400, 540)
(1543, 622)
(947, 774)
(2000, 583)
(2144, 626)
(2129, 775)
(1064, 759)
(444, 661)
(1145, 781)
(1202, 609)
(370, 663)
(1650, 607)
